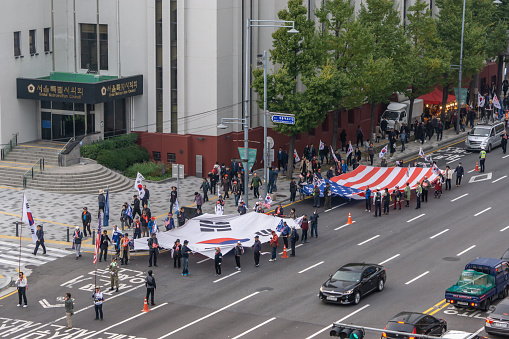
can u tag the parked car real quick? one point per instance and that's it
(415, 323)
(453, 334)
(487, 136)
(352, 282)
(498, 320)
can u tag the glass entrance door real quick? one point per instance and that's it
(62, 126)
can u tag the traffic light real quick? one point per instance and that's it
(346, 332)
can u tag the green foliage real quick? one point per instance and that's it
(120, 159)
(150, 170)
(123, 141)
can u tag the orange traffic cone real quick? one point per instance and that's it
(284, 252)
(476, 166)
(349, 222)
(145, 306)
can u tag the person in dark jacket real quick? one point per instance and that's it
(76, 239)
(205, 188)
(136, 206)
(173, 197)
(146, 197)
(146, 210)
(257, 247)
(272, 180)
(185, 259)
(238, 250)
(218, 260)
(314, 224)
(503, 143)
(293, 190)
(102, 200)
(279, 211)
(153, 250)
(150, 284)
(40, 240)
(285, 233)
(459, 173)
(293, 240)
(304, 227)
(86, 218)
(105, 241)
(177, 253)
(329, 174)
(181, 217)
(386, 200)
(198, 199)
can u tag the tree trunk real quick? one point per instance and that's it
(500, 75)
(372, 123)
(335, 125)
(445, 94)
(410, 112)
(291, 147)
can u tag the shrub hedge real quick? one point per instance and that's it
(120, 159)
(150, 170)
(123, 141)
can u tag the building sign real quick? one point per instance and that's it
(79, 92)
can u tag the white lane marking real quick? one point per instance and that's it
(339, 321)
(436, 235)
(484, 210)
(452, 161)
(330, 209)
(385, 261)
(503, 229)
(482, 328)
(208, 315)
(505, 156)
(124, 321)
(340, 227)
(494, 181)
(199, 262)
(461, 196)
(417, 217)
(418, 277)
(471, 171)
(299, 245)
(229, 275)
(468, 249)
(310, 267)
(254, 328)
(365, 241)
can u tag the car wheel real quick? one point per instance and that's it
(381, 285)
(489, 148)
(486, 305)
(357, 298)
(444, 329)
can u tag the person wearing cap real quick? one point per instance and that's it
(102, 202)
(236, 192)
(218, 260)
(219, 210)
(153, 250)
(294, 237)
(425, 187)
(86, 219)
(105, 241)
(418, 193)
(153, 228)
(257, 247)
(40, 240)
(136, 206)
(185, 259)
(238, 250)
(460, 172)
(98, 303)
(113, 267)
(226, 185)
(242, 208)
(274, 243)
(125, 252)
(169, 222)
(137, 228)
(76, 239)
(198, 199)
(377, 201)
(177, 253)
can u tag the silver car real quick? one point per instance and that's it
(485, 136)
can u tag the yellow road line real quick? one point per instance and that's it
(435, 311)
(435, 306)
(7, 295)
(1, 276)
(10, 188)
(23, 168)
(46, 241)
(438, 149)
(40, 147)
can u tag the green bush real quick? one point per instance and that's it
(93, 150)
(120, 159)
(150, 170)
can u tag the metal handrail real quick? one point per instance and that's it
(8, 147)
(30, 172)
(63, 149)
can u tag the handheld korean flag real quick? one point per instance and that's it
(129, 211)
(435, 169)
(408, 171)
(28, 219)
(268, 201)
(480, 100)
(296, 155)
(280, 226)
(322, 146)
(334, 155)
(421, 153)
(139, 186)
(176, 206)
(350, 150)
(383, 152)
(496, 102)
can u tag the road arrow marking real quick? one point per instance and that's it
(45, 304)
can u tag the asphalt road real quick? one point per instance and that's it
(424, 252)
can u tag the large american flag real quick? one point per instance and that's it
(353, 184)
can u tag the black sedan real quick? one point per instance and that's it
(498, 320)
(417, 323)
(352, 282)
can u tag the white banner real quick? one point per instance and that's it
(208, 231)
(139, 186)
(28, 219)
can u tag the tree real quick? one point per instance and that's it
(297, 58)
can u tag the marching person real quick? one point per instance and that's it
(460, 172)
(418, 192)
(218, 260)
(257, 247)
(153, 250)
(115, 238)
(294, 237)
(22, 283)
(503, 143)
(448, 178)
(367, 193)
(314, 224)
(181, 217)
(285, 233)
(169, 223)
(173, 197)
(40, 240)
(136, 206)
(185, 259)
(425, 187)
(177, 253)
(377, 201)
(386, 200)
(482, 156)
(239, 250)
(293, 190)
(205, 188)
(279, 211)
(150, 284)
(125, 252)
(219, 208)
(304, 227)
(78, 235)
(105, 241)
(144, 224)
(408, 192)
(114, 274)
(274, 244)
(98, 303)
(255, 185)
(316, 196)
(86, 218)
(146, 196)
(69, 307)
(198, 199)
(327, 193)
(137, 228)
(397, 197)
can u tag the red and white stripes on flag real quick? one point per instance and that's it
(383, 177)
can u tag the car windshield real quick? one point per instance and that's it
(502, 309)
(481, 132)
(344, 274)
(391, 115)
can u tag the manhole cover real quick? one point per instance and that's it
(263, 289)
(451, 258)
(30, 267)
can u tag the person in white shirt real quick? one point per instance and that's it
(219, 209)
(98, 303)
(21, 282)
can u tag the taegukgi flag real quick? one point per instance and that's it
(296, 155)
(480, 100)
(27, 218)
(383, 152)
(139, 186)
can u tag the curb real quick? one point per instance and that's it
(5, 282)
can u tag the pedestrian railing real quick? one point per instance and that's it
(36, 168)
(6, 148)
(60, 159)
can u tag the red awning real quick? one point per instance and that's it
(435, 97)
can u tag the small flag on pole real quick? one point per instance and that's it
(176, 206)
(27, 218)
(480, 100)
(350, 150)
(408, 171)
(296, 155)
(334, 155)
(107, 208)
(322, 146)
(421, 153)
(383, 152)
(496, 102)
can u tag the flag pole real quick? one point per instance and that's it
(20, 232)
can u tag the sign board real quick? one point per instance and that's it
(199, 166)
(462, 100)
(271, 155)
(177, 169)
(251, 156)
(283, 119)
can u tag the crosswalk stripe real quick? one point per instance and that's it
(13, 247)
(51, 249)
(23, 259)
(27, 252)
(10, 263)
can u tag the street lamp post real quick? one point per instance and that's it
(259, 23)
(460, 72)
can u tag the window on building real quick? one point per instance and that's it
(31, 41)
(17, 44)
(173, 71)
(89, 46)
(351, 116)
(46, 39)
(156, 156)
(171, 157)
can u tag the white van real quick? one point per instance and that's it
(487, 136)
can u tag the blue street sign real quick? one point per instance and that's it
(283, 119)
